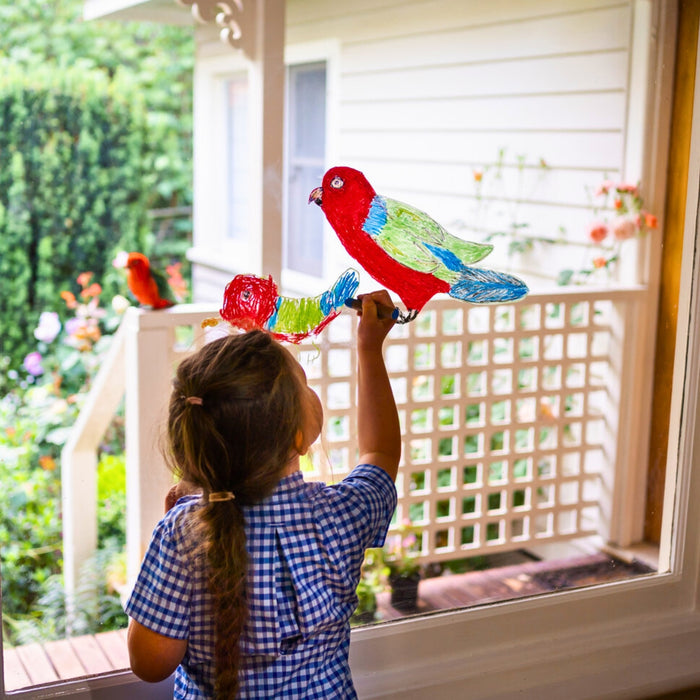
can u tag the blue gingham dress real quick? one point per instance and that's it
(306, 545)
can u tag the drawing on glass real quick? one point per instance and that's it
(405, 250)
(254, 302)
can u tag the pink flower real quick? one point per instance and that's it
(598, 231)
(624, 227)
(604, 187)
(627, 187)
(32, 364)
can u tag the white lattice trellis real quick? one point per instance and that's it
(508, 415)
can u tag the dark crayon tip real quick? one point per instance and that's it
(382, 310)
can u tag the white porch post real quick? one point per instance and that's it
(267, 120)
(148, 359)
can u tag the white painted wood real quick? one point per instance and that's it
(79, 463)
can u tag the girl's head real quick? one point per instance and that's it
(256, 413)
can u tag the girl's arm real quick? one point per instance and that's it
(378, 431)
(152, 656)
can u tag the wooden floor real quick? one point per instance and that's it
(36, 664)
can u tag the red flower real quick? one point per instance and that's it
(598, 231)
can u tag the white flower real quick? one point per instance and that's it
(120, 259)
(48, 328)
(120, 304)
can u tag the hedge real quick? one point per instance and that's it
(74, 180)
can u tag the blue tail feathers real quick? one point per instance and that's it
(480, 286)
(343, 288)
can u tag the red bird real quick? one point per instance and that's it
(406, 250)
(148, 285)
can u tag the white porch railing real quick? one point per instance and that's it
(511, 417)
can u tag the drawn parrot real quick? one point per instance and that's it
(147, 284)
(254, 302)
(404, 249)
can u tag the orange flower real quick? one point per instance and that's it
(478, 175)
(176, 280)
(94, 290)
(617, 203)
(650, 221)
(84, 278)
(599, 262)
(10, 431)
(598, 231)
(47, 463)
(69, 298)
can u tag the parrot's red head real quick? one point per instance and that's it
(137, 262)
(249, 301)
(345, 196)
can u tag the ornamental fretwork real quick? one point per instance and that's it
(233, 16)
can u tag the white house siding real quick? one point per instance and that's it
(429, 91)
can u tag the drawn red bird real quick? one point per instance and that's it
(254, 302)
(406, 250)
(147, 284)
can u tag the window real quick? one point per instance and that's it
(305, 157)
(237, 157)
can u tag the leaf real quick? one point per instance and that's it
(564, 277)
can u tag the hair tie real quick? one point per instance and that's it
(217, 496)
(193, 400)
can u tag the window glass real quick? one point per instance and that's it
(237, 156)
(306, 135)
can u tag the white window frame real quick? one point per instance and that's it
(329, 53)
(610, 641)
(212, 246)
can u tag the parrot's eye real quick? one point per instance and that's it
(246, 295)
(337, 182)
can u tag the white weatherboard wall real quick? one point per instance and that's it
(427, 92)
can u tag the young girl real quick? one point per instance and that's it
(248, 586)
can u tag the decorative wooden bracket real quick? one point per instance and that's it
(235, 19)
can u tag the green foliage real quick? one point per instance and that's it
(37, 417)
(30, 530)
(96, 130)
(72, 178)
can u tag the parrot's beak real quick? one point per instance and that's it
(316, 196)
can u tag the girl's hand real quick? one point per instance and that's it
(372, 330)
(182, 488)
